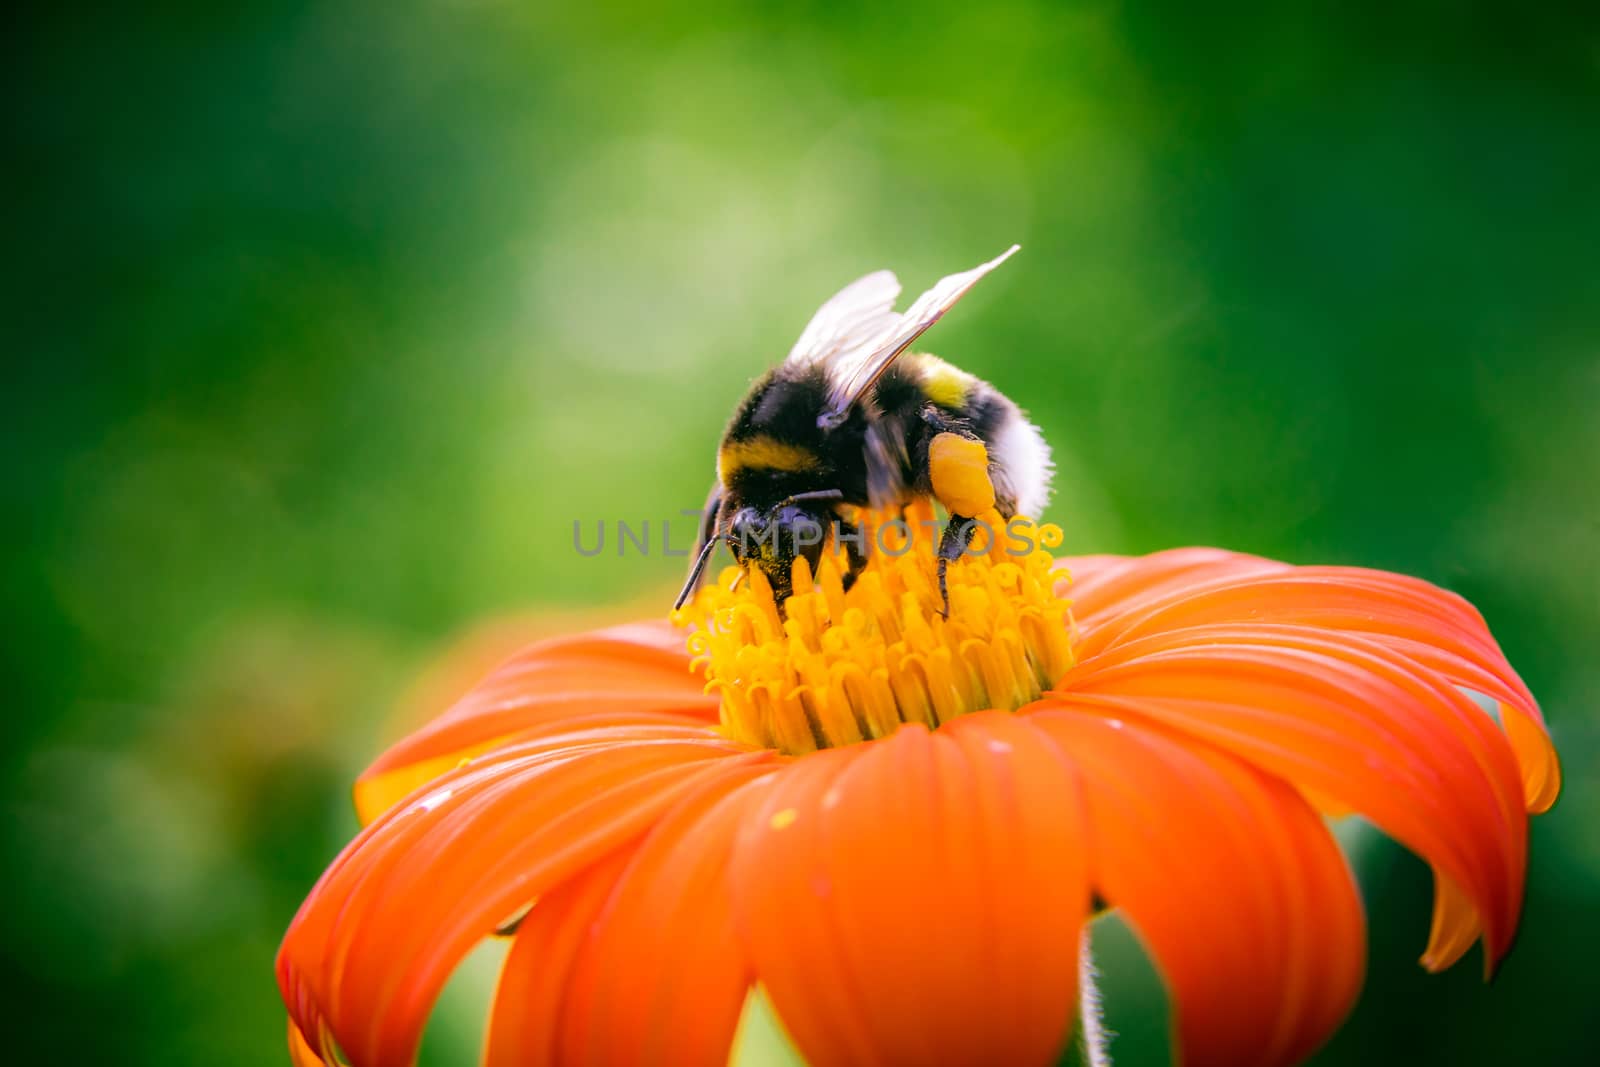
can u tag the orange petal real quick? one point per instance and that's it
(663, 977)
(1344, 717)
(301, 1053)
(635, 673)
(377, 791)
(1455, 925)
(1104, 588)
(638, 667)
(1435, 629)
(1233, 882)
(919, 899)
(405, 901)
(1419, 618)
(532, 991)
(1541, 770)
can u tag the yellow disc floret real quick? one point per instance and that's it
(835, 666)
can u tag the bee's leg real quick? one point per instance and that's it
(952, 546)
(815, 494)
(855, 550)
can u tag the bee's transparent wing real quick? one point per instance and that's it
(853, 318)
(851, 373)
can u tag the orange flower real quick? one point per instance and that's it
(897, 824)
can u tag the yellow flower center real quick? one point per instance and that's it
(838, 666)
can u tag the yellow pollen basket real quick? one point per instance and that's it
(840, 667)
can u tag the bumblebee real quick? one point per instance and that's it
(853, 419)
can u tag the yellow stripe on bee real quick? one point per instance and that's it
(945, 385)
(959, 469)
(763, 453)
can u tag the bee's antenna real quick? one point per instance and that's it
(699, 567)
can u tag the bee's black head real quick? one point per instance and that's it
(773, 539)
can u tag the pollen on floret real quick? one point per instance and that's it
(838, 666)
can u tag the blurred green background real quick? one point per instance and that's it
(326, 321)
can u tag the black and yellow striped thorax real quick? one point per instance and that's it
(773, 447)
